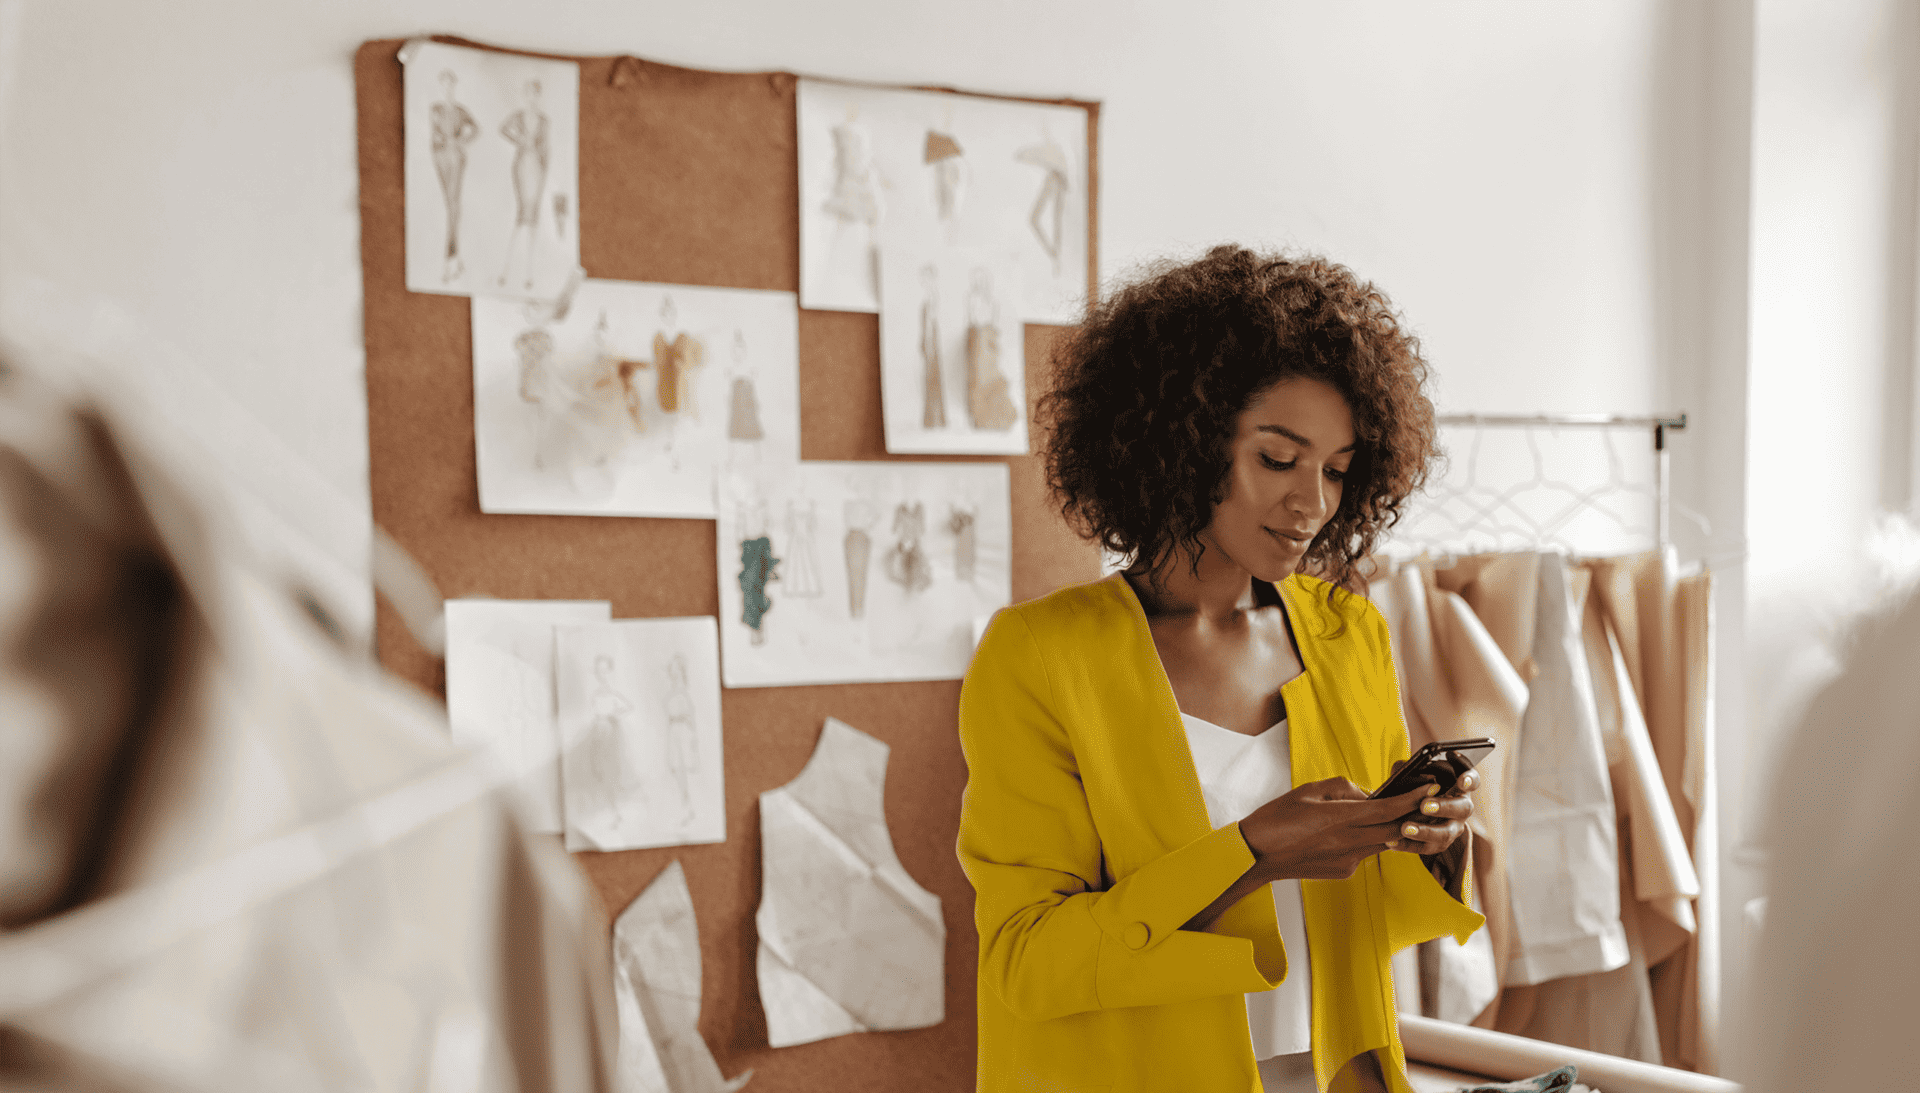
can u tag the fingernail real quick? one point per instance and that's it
(1432, 788)
(1468, 781)
(1430, 807)
(1410, 830)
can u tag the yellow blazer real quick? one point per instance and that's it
(1086, 838)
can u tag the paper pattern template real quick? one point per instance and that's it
(640, 757)
(936, 169)
(500, 691)
(492, 171)
(848, 941)
(837, 572)
(952, 352)
(626, 398)
(656, 971)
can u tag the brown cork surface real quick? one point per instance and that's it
(688, 177)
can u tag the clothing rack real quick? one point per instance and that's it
(1657, 424)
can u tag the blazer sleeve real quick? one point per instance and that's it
(1053, 941)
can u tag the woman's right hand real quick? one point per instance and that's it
(1323, 830)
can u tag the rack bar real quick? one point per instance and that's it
(1659, 423)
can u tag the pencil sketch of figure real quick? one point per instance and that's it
(1049, 215)
(683, 742)
(907, 562)
(743, 412)
(860, 516)
(961, 524)
(534, 347)
(607, 752)
(561, 206)
(988, 403)
(526, 130)
(856, 196)
(615, 379)
(757, 569)
(802, 578)
(949, 177)
(673, 364)
(453, 130)
(933, 413)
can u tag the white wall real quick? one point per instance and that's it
(1555, 193)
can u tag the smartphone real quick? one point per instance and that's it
(1441, 761)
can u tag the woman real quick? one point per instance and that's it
(1229, 426)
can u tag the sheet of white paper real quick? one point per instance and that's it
(848, 941)
(951, 170)
(500, 692)
(640, 758)
(595, 411)
(656, 955)
(877, 569)
(953, 357)
(492, 171)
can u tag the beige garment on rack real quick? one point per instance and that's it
(305, 887)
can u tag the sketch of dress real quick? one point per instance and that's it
(907, 562)
(453, 130)
(607, 753)
(1048, 218)
(855, 197)
(802, 578)
(949, 176)
(743, 413)
(534, 347)
(757, 565)
(860, 516)
(673, 364)
(526, 129)
(933, 413)
(987, 400)
(961, 524)
(683, 742)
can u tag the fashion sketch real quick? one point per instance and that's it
(757, 569)
(606, 744)
(561, 206)
(855, 198)
(949, 177)
(615, 378)
(907, 562)
(743, 409)
(961, 524)
(453, 129)
(933, 414)
(526, 129)
(673, 365)
(683, 740)
(987, 400)
(802, 578)
(860, 518)
(1048, 216)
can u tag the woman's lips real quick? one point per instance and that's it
(1294, 541)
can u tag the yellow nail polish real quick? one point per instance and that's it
(1411, 830)
(1430, 807)
(1432, 788)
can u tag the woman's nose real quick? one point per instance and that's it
(1310, 501)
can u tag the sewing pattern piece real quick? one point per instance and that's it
(860, 518)
(453, 129)
(907, 561)
(656, 964)
(934, 413)
(802, 577)
(848, 941)
(987, 400)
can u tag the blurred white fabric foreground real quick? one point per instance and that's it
(232, 857)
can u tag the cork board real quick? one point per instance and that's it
(689, 177)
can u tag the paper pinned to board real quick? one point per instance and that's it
(500, 690)
(848, 941)
(640, 759)
(492, 171)
(656, 955)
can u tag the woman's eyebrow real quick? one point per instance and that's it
(1298, 439)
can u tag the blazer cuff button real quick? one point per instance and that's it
(1137, 935)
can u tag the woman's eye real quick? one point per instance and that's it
(1336, 476)
(1273, 464)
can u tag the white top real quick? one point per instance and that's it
(1239, 773)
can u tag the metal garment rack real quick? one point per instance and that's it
(1658, 423)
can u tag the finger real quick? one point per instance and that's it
(1422, 838)
(1442, 808)
(1392, 808)
(1333, 789)
(1466, 783)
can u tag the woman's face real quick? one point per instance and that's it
(1291, 450)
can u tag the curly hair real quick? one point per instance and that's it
(1141, 412)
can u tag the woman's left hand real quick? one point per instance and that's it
(1441, 820)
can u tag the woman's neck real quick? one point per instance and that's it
(1217, 591)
